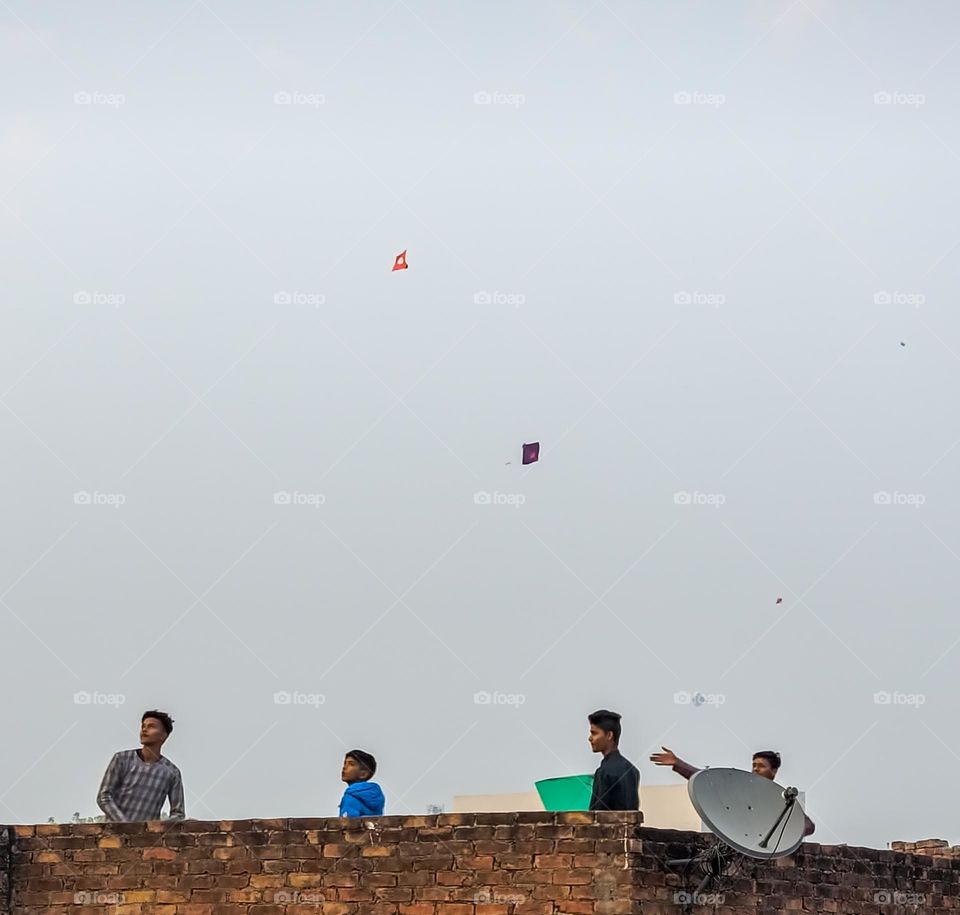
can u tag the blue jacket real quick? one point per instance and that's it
(362, 799)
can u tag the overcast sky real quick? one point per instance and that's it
(681, 245)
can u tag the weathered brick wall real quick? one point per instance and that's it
(453, 864)
(6, 886)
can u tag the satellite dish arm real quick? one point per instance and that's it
(789, 800)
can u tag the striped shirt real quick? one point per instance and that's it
(134, 790)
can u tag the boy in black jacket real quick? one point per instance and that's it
(616, 784)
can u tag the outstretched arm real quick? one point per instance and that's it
(669, 758)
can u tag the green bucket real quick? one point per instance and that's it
(571, 792)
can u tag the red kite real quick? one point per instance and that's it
(401, 261)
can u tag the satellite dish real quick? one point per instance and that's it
(748, 812)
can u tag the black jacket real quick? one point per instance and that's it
(616, 784)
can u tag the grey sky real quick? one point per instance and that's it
(713, 229)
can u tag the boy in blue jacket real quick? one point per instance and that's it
(363, 798)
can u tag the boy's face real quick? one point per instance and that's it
(762, 767)
(152, 732)
(352, 771)
(600, 741)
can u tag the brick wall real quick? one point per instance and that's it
(452, 864)
(6, 885)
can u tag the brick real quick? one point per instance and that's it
(159, 854)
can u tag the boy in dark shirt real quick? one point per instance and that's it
(616, 784)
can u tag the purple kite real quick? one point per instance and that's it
(531, 452)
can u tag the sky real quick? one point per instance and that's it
(701, 252)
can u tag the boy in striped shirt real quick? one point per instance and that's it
(137, 782)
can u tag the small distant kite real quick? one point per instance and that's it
(531, 452)
(779, 600)
(902, 343)
(401, 261)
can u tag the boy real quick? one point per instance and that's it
(765, 763)
(137, 782)
(616, 783)
(362, 798)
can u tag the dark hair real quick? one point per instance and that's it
(365, 760)
(606, 721)
(771, 756)
(162, 717)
